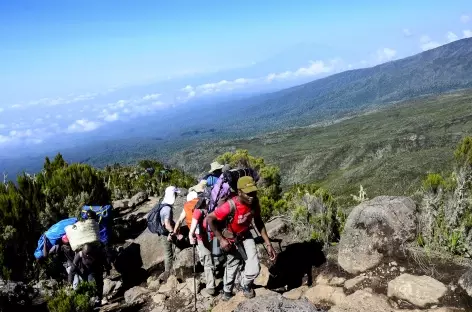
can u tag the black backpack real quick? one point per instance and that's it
(154, 223)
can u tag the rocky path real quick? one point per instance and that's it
(373, 269)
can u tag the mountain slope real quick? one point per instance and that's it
(443, 69)
(388, 151)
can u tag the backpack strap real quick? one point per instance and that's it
(232, 206)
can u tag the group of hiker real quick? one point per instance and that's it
(219, 212)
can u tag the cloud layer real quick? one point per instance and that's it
(34, 121)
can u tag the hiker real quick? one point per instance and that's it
(64, 251)
(194, 213)
(167, 221)
(198, 228)
(215, 171)
(191, 201)
(104, 233)
(235, 238)
(88, 265)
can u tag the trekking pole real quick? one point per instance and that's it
(194, 278)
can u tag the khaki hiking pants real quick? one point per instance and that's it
(168, 254)
(206, 260)
(234, 262)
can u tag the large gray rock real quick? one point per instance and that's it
(120, 204)
(138, 199)
(418, 290)
(466, 282)
(376, 228)
(150, 248)
(135, 293)
(275, 302)
(364, 301)
(183, 264)
(276, 227)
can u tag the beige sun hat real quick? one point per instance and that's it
(200, 187)
(215, 166)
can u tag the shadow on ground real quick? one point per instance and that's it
(294, 265)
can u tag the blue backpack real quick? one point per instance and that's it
(104, 219)
(53, 234)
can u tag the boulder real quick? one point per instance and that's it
(337, 281)
(363, 301)
(466, 282)
(158, 298)
(138, 199)
(120, 204)
(183, 263)
(418, 290)
(353, 282)
(150, 249)
(325, 294)
(172, 284)
(135, 293)
(193, 283)
(108, 286)
(46, 287)
(276, 226)
(295, 293)
(376, 228)
(275, 302)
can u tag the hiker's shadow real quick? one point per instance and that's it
(295, 263)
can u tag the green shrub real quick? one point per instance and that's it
(78, 300)
(433, 182)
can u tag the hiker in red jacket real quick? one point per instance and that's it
(237, 213)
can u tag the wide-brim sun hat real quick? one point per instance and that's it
(215, 166)
(200, 187)
(170, 194)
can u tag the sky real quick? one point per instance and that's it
(74, 66)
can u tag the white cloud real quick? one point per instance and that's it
(467, 33)
(451, 36)
(4, 139)
(465, 19)
(1, 109)
(314, 69)
(21, 134)
(427, 44)
(149, 97)
(386, 54)
(83, 125)
(2, 126)
(407, 32)
(111, 117)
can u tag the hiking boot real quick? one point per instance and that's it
(248, 292)
(226, 296)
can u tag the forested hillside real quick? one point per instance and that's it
(387, 151)
(37, 201)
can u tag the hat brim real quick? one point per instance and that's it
(250, 189)
(216, 168)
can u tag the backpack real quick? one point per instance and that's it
(189, 207)
(226, 186)
(53, 235)
(154, 223)
(105, 218)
